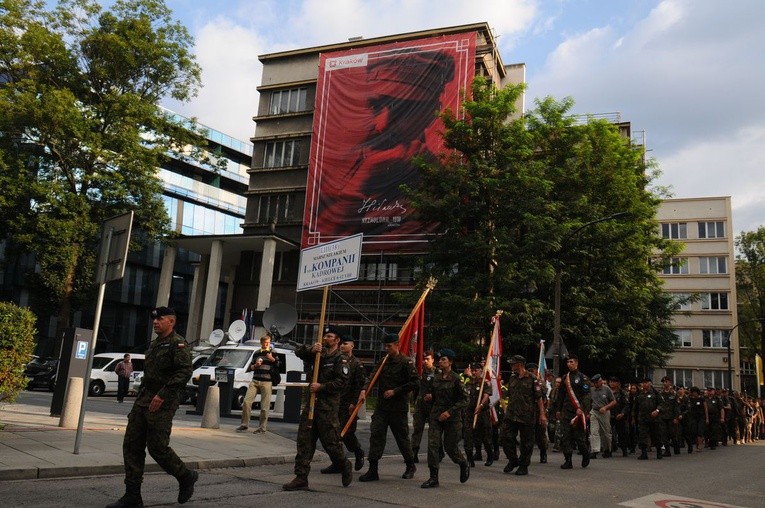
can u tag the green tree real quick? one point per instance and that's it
(507, 198)
(81, 132)
(17, 331)
(750, 286)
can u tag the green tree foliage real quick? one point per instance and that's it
(750, 286)
(507, 197)
(81, 132)
(17, 331)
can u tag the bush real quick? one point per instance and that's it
(17, 332)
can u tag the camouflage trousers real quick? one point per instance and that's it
(325, 428)
(146, 430)
(398, 422)
(508, 436)
(350, 440)
(446, 434)
(573, 435)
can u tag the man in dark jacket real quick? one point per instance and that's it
(572, 406)
(397, 380)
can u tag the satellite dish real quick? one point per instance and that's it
(216, 337)
(280, 319)
(237, 330)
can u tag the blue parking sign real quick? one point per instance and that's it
(82, 350)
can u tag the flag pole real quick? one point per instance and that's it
(430, 285)
(317, 359)
(486, 364)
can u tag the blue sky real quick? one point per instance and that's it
(689, 73)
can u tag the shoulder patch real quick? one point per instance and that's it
(181, 345)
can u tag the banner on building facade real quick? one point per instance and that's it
(376, 109)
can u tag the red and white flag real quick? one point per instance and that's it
(493, 368)
(411, 336)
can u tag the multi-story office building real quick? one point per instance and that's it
(201, 199)
(703, 278)
(317, 141)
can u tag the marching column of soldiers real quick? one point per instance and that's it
(456, 407)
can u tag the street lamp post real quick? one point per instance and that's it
(558, 272)
(727, 344)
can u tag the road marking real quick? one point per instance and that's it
(659, 500)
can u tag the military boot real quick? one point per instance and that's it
(410, 470)
(347, 471)
(522, 471)
(359, 455)
(667, 453)
(477, 455)
(567, 463)
(331, 469)
(299, 483)
(543, 456)
(432, 481)
(371, 474)
(643, 454)
(131, 499)
(464, 472)
(511, 464)
(471, 462)
(186, 486)
(416, 452)
(585, 460)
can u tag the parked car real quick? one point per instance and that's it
(103, 379)
(41, 373)
(239, 357)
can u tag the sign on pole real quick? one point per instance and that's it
(330, 263)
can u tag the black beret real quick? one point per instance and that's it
(336, 330)
(390, 338)
(476, 366)
(447, 353)
(596, 377)
(517, 359)
(162, 311)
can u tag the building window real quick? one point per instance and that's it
(714, 301)
(714, 338)
(715, 378)
(281, 154)
(288, 101)
(748, 368)
(714, 264)
(677, 266)
(674, 230)
(681, 302)
(683, 338)
(276, 208)
(711, 229)
(681, 377)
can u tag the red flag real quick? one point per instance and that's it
(411, 336)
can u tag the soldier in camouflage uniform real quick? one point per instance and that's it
(331, 381)
(572, 406)
(397, 380)
(167, 369)
(356, 381)
(421, 408)
(540, 431)
(481, 433)
(669, 417)
(447, 393)
(525, 408)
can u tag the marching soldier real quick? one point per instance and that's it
(481, 433)
(540, 431)
(167, 369)
(331, 381)
(572, 405)
(525, 409)
(669, 413)
(647, 416)
(396, 381)
(716, 418)
(421, 413)
(449, 397)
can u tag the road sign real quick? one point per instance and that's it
(330, 263)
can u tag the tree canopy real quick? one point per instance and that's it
(510, 197)
(750, 287)
(82, 134)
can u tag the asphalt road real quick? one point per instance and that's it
(729, 476)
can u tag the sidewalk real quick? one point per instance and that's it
(32, 445)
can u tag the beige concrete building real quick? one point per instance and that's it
(704, 270)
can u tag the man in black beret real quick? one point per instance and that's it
(397, 379)
(167, 369)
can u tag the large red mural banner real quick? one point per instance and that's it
(376, 109)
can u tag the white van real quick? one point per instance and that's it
(103, 379)
(239, 358)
